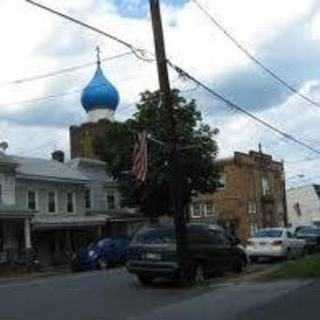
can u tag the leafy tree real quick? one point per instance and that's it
(197, 152)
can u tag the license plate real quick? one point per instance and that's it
(262, 243)
(153, 256)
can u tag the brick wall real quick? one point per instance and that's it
(242, 205)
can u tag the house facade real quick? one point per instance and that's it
(304, 205)
(251, 195)
(56, 207)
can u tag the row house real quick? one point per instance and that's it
(56, 207)
(304, 205)
(250, 196)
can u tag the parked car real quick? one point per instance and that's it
(311, 236)
(153, 254)
(274, 243)
(101, 254)
(233, 239)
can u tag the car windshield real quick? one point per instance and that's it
(155, 236)
(308, 231)
(268, 233)
(104, 242)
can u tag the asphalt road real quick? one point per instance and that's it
(117, 295)
(99, 295)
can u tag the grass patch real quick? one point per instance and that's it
(304, 268)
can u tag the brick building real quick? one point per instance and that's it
(251, 195)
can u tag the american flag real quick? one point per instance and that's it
(140, 157)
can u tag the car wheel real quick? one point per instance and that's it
(102, 264)
(145, 280)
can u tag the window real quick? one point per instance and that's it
(209, 209)
(269, 233)
(253, 229)
(88, 198)
(51, 201)
(196, 212)
(252, 208)
(289, 235)
(110, 200)
(217, 237)
(265, 186)
(32, 200)
(221, 182)
(70, 202)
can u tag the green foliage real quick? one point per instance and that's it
(197, 151)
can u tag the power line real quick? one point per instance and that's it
(138, 52)
(184, 74)
(233, 105)
(254, 59)
(61, 71)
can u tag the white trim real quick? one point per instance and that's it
(193, 215)
(98, 114)
(213, 213)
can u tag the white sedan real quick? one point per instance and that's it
(274, 243)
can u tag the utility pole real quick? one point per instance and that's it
(165, 95)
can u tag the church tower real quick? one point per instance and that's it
(100, 100)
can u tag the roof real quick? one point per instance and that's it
(45, 169)
(86, 162)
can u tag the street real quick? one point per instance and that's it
(115, 294)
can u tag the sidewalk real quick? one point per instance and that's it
(227, 301)
(6, 278)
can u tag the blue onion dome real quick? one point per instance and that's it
(99, 93)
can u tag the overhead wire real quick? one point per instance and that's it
(61, 71)
(138, 52)
(236, 107)
(257, 61)
(183, 74)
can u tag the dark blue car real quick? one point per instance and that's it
(102, 254)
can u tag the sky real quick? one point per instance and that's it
(284, 34)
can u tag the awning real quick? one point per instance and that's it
(63, 222)
(12, 212)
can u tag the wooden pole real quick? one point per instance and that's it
(165, 91)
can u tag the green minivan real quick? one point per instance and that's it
(152, 253)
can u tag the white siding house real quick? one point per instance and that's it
(304, 205)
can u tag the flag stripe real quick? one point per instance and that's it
(140, 157)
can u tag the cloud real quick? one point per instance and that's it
(242, 134)
(288, 41)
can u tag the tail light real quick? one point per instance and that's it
(250, 243)
(277, 243)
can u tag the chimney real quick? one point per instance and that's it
(58, 155)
